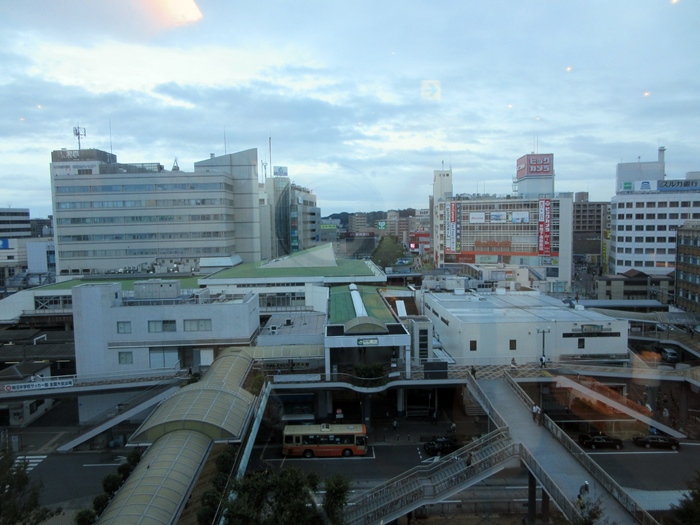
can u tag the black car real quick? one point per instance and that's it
(656, 442)
(601, 441)
(440, 446)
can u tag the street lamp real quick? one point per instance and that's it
(543, 331)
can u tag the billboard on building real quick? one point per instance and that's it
(279, 171)
(477, 217)
(453, 229)
(535, 164)
(4, 244)
(520, 217)
(544, 224)
(498, 216)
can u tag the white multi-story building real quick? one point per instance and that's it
(110, 216)
(157, 327)
(645, 214)
(531, 229)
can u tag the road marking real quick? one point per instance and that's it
(31, 461)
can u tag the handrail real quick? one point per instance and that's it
(431, 483)
(551, 488)
(602, 477)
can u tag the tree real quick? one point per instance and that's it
(591, 512)
(85, 517)
(337, 490)
(387, 252)
(19, 499)
(271, 497)
(688, 510)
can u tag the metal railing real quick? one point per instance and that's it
(602, 477)
(432, 483)
(551, 488)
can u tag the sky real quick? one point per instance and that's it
(360, 100)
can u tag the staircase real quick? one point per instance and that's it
(435, 482)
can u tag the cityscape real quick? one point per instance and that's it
(349, 264)
(149, 287)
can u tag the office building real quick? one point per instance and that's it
(110, 216)
(14, 223)
(532, 228)
(688, 267)
(488, 328)
(646, 211)
(591, 222)
(295, 219)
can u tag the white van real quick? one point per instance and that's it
(670, 355)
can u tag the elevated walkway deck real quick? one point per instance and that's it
(559, 463)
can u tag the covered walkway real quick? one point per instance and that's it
(558, 462)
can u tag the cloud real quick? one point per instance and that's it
(338, 88)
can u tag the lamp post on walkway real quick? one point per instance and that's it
(543, 331)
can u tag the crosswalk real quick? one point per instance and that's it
(31, 461)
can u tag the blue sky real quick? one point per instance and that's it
(363, 100)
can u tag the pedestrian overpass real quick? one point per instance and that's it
(552, 459)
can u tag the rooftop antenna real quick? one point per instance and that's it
(77, 133)
(175, 166)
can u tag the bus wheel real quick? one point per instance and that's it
(347, 453)
(308, 453)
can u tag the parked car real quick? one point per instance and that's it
(440, 446)
(600, 441)
(657, 442)
(588, 436)
(670, 355)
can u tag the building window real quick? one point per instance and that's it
(581, 342)
(472, 346)
(162, 326)
(123, 327)
(197, 325)
(513, 344)
(126, 358)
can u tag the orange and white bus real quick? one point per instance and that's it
(325, 440)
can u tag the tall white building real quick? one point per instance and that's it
(110, 216)
(645, 214)
(531, 229)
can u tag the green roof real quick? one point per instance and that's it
(319, 261)
(342, 309)
(186, 283)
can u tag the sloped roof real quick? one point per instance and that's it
(217, 406)
(157, 488)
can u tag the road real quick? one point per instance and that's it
(74, 477)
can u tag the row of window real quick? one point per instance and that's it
(150, 203)
(138, 219)
(645, 264)
(144, 236)
(168, 325)
(689, 241)
(647, 227)
(167, 251)
(638, 239)
(689, 259)
(657, 216)
(647, 251)
(688, 277)
(143, 188)
(662, 204)
(513, 344)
